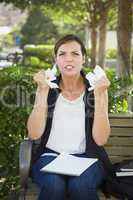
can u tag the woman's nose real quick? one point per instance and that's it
(69, 57)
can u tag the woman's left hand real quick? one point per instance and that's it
(101, 85)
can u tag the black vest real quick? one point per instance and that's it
(92, 149)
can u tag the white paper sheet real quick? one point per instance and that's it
(129, 173)
(126, 170)
(69, 165)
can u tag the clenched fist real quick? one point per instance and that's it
(40, 79)
(101, 85)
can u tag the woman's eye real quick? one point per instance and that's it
(74, 53)
(61, 54)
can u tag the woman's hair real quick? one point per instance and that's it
(68, 38)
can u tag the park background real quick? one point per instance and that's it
(28, 30)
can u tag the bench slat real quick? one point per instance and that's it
(125, 122)
(115, 159)
(121, 115)
(118, 150)
(120, 141)
(122, 131)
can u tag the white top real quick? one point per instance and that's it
(68, 126)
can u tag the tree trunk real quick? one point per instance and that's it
(124, 38)
(93, 46)
(102, 39)
(87, 36)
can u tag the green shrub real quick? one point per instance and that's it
(45, 65)
(32, 61)
(111, 53)
(118, 97)
(43, 52)
(15, 104)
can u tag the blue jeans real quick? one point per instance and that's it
(57, 187)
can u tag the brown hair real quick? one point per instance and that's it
(68, 38)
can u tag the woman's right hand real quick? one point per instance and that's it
(40, 79)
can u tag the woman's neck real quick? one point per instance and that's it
(72, 87)
(71, 84)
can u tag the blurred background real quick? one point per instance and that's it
(28, 31)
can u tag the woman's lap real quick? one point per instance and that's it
(92, 176)
(90, 179)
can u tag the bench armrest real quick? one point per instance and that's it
(25, 153)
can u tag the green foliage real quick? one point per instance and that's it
(27, 3)
(118, 92)
(49, 24)
(32, 61)
(111, 53)
(113, 17)
(38, 28)
(16, 92)
(8, 40)
(43, 52)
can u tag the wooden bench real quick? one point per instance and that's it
(119, 147)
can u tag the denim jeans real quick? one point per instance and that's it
(57, 187)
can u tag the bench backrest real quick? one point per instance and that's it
(120, 143)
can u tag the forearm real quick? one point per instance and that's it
(101, 126)
(37, 119)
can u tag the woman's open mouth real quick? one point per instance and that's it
(69, 67)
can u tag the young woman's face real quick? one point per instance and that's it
(69, 58)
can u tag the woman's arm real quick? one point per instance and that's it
(101, 126)
(37, 120)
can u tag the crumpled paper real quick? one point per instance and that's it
(50, 75)
(94, 76)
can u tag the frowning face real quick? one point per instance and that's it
(69, 58)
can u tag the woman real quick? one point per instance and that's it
(65, 120)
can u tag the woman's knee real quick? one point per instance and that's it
(54, 185)
(79, 190)
(93, 176)
(88, 181)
